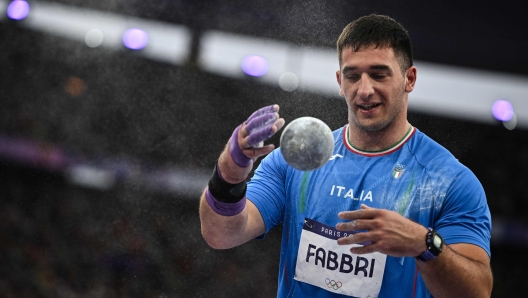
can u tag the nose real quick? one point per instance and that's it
(365, 87)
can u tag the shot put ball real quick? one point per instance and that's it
(307, 143)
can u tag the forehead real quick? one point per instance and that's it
(366, 56)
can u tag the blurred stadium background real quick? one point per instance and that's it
(113, 113)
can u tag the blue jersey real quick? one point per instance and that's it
(418, 178)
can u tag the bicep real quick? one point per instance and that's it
(472, 252)
(255, 226)
(480, 261)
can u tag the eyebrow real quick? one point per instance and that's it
(374, 67)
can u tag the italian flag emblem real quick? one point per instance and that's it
(398, 171)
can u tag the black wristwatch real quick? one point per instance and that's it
(434, 243)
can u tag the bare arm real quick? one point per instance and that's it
(461, 270)
(224, 232)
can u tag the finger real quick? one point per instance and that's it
(350, 225)
(264, 133)
(261, 121)
(358, 214)
(256, 152)
(260, 135)
(247, 141)
(363, 206)
(236, 151)
(279, 124)
(243, 133)
(363, 238)
(264, 110)
(366, 249)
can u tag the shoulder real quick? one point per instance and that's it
(440, 164)
(431, 154)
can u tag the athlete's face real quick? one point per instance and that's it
(374, 87)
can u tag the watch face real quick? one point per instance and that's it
(437, 241)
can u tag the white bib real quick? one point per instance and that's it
(323, 263)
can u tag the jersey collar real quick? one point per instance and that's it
(386, 151)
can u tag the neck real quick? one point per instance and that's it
(377, 140)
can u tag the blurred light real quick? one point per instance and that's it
(94, 38)
(92, 177)
(75, 86)
(222, 53)
(18, 10)
(502, 110)
(511, 124)
(255, 66)
(288, 81)
(317, 70)
(135, 39)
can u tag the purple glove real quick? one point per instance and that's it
(259, 127)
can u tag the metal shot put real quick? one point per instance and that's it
(307, 143)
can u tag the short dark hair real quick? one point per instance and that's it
(379, 31)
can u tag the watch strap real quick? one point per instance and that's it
(431, 252)
(426, 256)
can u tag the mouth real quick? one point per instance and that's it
(367, 107)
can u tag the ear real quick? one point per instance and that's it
(410, 79)
(338, 77)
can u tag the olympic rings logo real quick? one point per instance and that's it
(332, 284)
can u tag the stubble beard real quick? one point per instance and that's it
(375, 124)
(379, 125)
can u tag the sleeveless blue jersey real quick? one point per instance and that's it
(418, 178)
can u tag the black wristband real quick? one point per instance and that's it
(224, 191)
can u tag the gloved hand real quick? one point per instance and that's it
(246, 142)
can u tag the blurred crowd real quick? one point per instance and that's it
(58, 240)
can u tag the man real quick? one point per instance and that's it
(392, 213)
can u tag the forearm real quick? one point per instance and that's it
(220, 231)
(454, 275)
(227, 217)
(460, 270)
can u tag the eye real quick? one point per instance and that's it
(353, 77)
(378, 76)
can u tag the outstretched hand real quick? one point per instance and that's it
(383, 230)
(246, 143)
